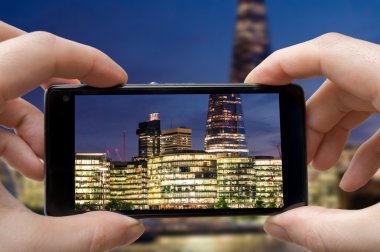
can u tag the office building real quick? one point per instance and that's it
(225, 130)
(175, 139)
(128, 183)
(149, 137)
(323, 187)
(236, 180)
(92, 172)
(184, 180)
(268, 182)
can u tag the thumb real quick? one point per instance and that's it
(322, 229)
(93, 231)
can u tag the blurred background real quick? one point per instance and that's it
(203, 41)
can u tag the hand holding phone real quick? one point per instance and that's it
(175, 150)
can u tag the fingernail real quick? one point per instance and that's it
(132, 221)
(277, 231)
(134, 231)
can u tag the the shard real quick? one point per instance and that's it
(225, 130)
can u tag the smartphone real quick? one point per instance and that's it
(170, 150)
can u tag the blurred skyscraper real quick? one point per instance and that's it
(225, 120)
(251, 38)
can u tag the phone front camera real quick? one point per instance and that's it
(65, 98)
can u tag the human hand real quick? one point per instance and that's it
(26, 61)
(350, 94)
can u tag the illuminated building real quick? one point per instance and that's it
(184, 180)
(128, 183)
(32, 194)
(225, 125)
(196, 179)
(323, 187)
(149, 136)
(92, 171)
(187, 179)
(251, 44)
(367, 195)
(236, 180)
(268, 181)
(175, 139)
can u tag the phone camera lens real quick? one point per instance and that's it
(66, 98)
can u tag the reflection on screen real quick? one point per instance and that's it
(161, 152)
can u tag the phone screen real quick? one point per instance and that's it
(178, 151)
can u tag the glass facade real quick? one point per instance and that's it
(92, 173)
(175, 139)
(182, 181)
(128, 183)
(268, 182)
(236, 180)
(225, 125)
(149, 136)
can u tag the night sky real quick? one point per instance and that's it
(189, 41)
(100, 120)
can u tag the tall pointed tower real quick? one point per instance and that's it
(225, 130)
(251, 38)
(225, 125)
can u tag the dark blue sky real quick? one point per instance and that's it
(100, 120)
(189, 41)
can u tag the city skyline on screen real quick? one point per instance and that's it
(179, 151)
(101, 120)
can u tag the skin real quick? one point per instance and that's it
(28, 60)
(350, 94)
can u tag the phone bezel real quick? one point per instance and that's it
(60, 144)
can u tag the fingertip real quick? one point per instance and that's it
(345, 185)
(351, 182)
(123, 76)
(123, 230)
(35, 170)
(117, 229)
(319, 164)
(114, 217)
(293, 217)
(259, 75)
(276, 231)
(250, 79)
(109, 75)
(117, 75)
(267, 75)
(100, 70)
(113, 73)
(27, 164)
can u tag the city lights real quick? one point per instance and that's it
(168, 173)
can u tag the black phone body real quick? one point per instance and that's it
(166, 177)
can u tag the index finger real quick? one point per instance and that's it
(31, 59)
(7, 31)
(342, 59)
